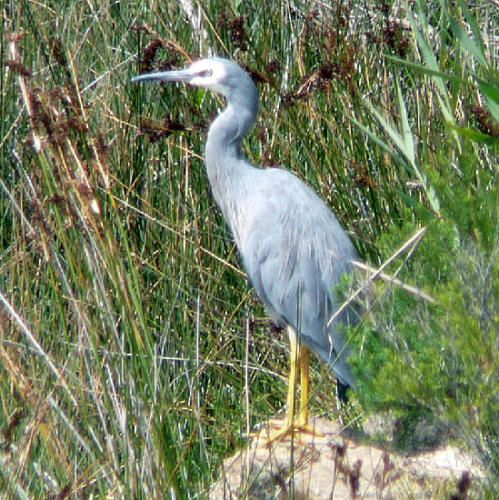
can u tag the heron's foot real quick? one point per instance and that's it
(277, 430)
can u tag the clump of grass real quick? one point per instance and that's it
(432, 363)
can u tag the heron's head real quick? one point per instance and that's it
(216, 74)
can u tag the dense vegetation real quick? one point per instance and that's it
(131, 346)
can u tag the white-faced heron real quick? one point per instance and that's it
(292, 246)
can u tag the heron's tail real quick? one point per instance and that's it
(342, 391)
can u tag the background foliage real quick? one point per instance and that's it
(131, 344)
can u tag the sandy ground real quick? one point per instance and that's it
(329, 465)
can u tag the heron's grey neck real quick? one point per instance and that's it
(225, 164)
(229, 128)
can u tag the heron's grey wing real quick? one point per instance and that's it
(294, 251)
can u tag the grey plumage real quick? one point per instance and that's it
(292, 246)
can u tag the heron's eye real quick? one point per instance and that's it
(205, 72)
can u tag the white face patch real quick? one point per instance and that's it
(209, 74)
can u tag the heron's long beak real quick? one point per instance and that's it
(182, 75)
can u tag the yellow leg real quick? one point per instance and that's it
(293, 375)
(304, 379)
(301, 423)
